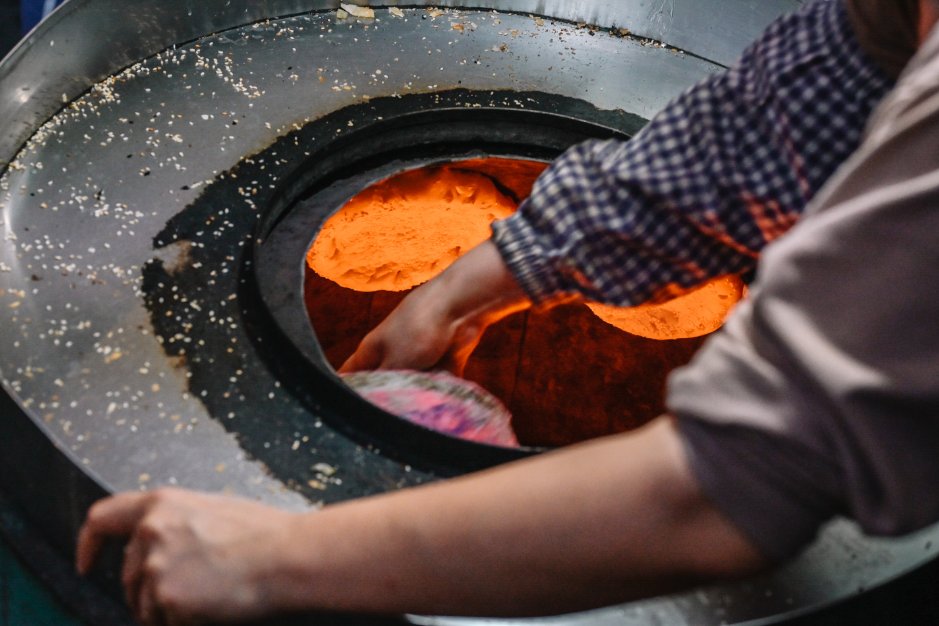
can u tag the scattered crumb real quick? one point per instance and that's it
(113, 356)
(357, 11)
(325, 469)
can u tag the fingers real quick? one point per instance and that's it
(362, 359)
(464, 342)
(89, 544)
(454, 362)
(151, 611)
(147, 611)
(116, 516)
(145, 571)
(367, 356)
(132, 571)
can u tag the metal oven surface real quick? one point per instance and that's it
(120, 121)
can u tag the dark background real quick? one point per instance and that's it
(9, 24)
(23, 597)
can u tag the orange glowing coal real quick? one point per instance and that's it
(405, 230)
(695, 313)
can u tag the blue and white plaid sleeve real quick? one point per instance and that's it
(724, 169)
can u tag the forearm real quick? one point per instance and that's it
(440, 322)
(478, 289)
(587, 526)
(722, 170)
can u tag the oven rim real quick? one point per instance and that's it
(394, 142)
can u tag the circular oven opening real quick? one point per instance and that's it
(566, 374)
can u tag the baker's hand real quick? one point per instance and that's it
(438, 325)
(190, 557)
(420, 334)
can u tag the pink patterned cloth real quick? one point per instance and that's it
(439, 401)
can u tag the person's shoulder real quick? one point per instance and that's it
(813, 31)
(813, 47)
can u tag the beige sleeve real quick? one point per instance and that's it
(819, 396)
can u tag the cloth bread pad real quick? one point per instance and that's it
(439, 401)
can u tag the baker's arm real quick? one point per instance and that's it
(439, 324)
(725, 168)
(722, 170)
(819, 396)
(595, 524)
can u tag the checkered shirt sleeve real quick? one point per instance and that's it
(724, 169)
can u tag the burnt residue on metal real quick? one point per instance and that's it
(201, 293)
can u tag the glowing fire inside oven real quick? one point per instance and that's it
(565, 375)
(405, 230)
